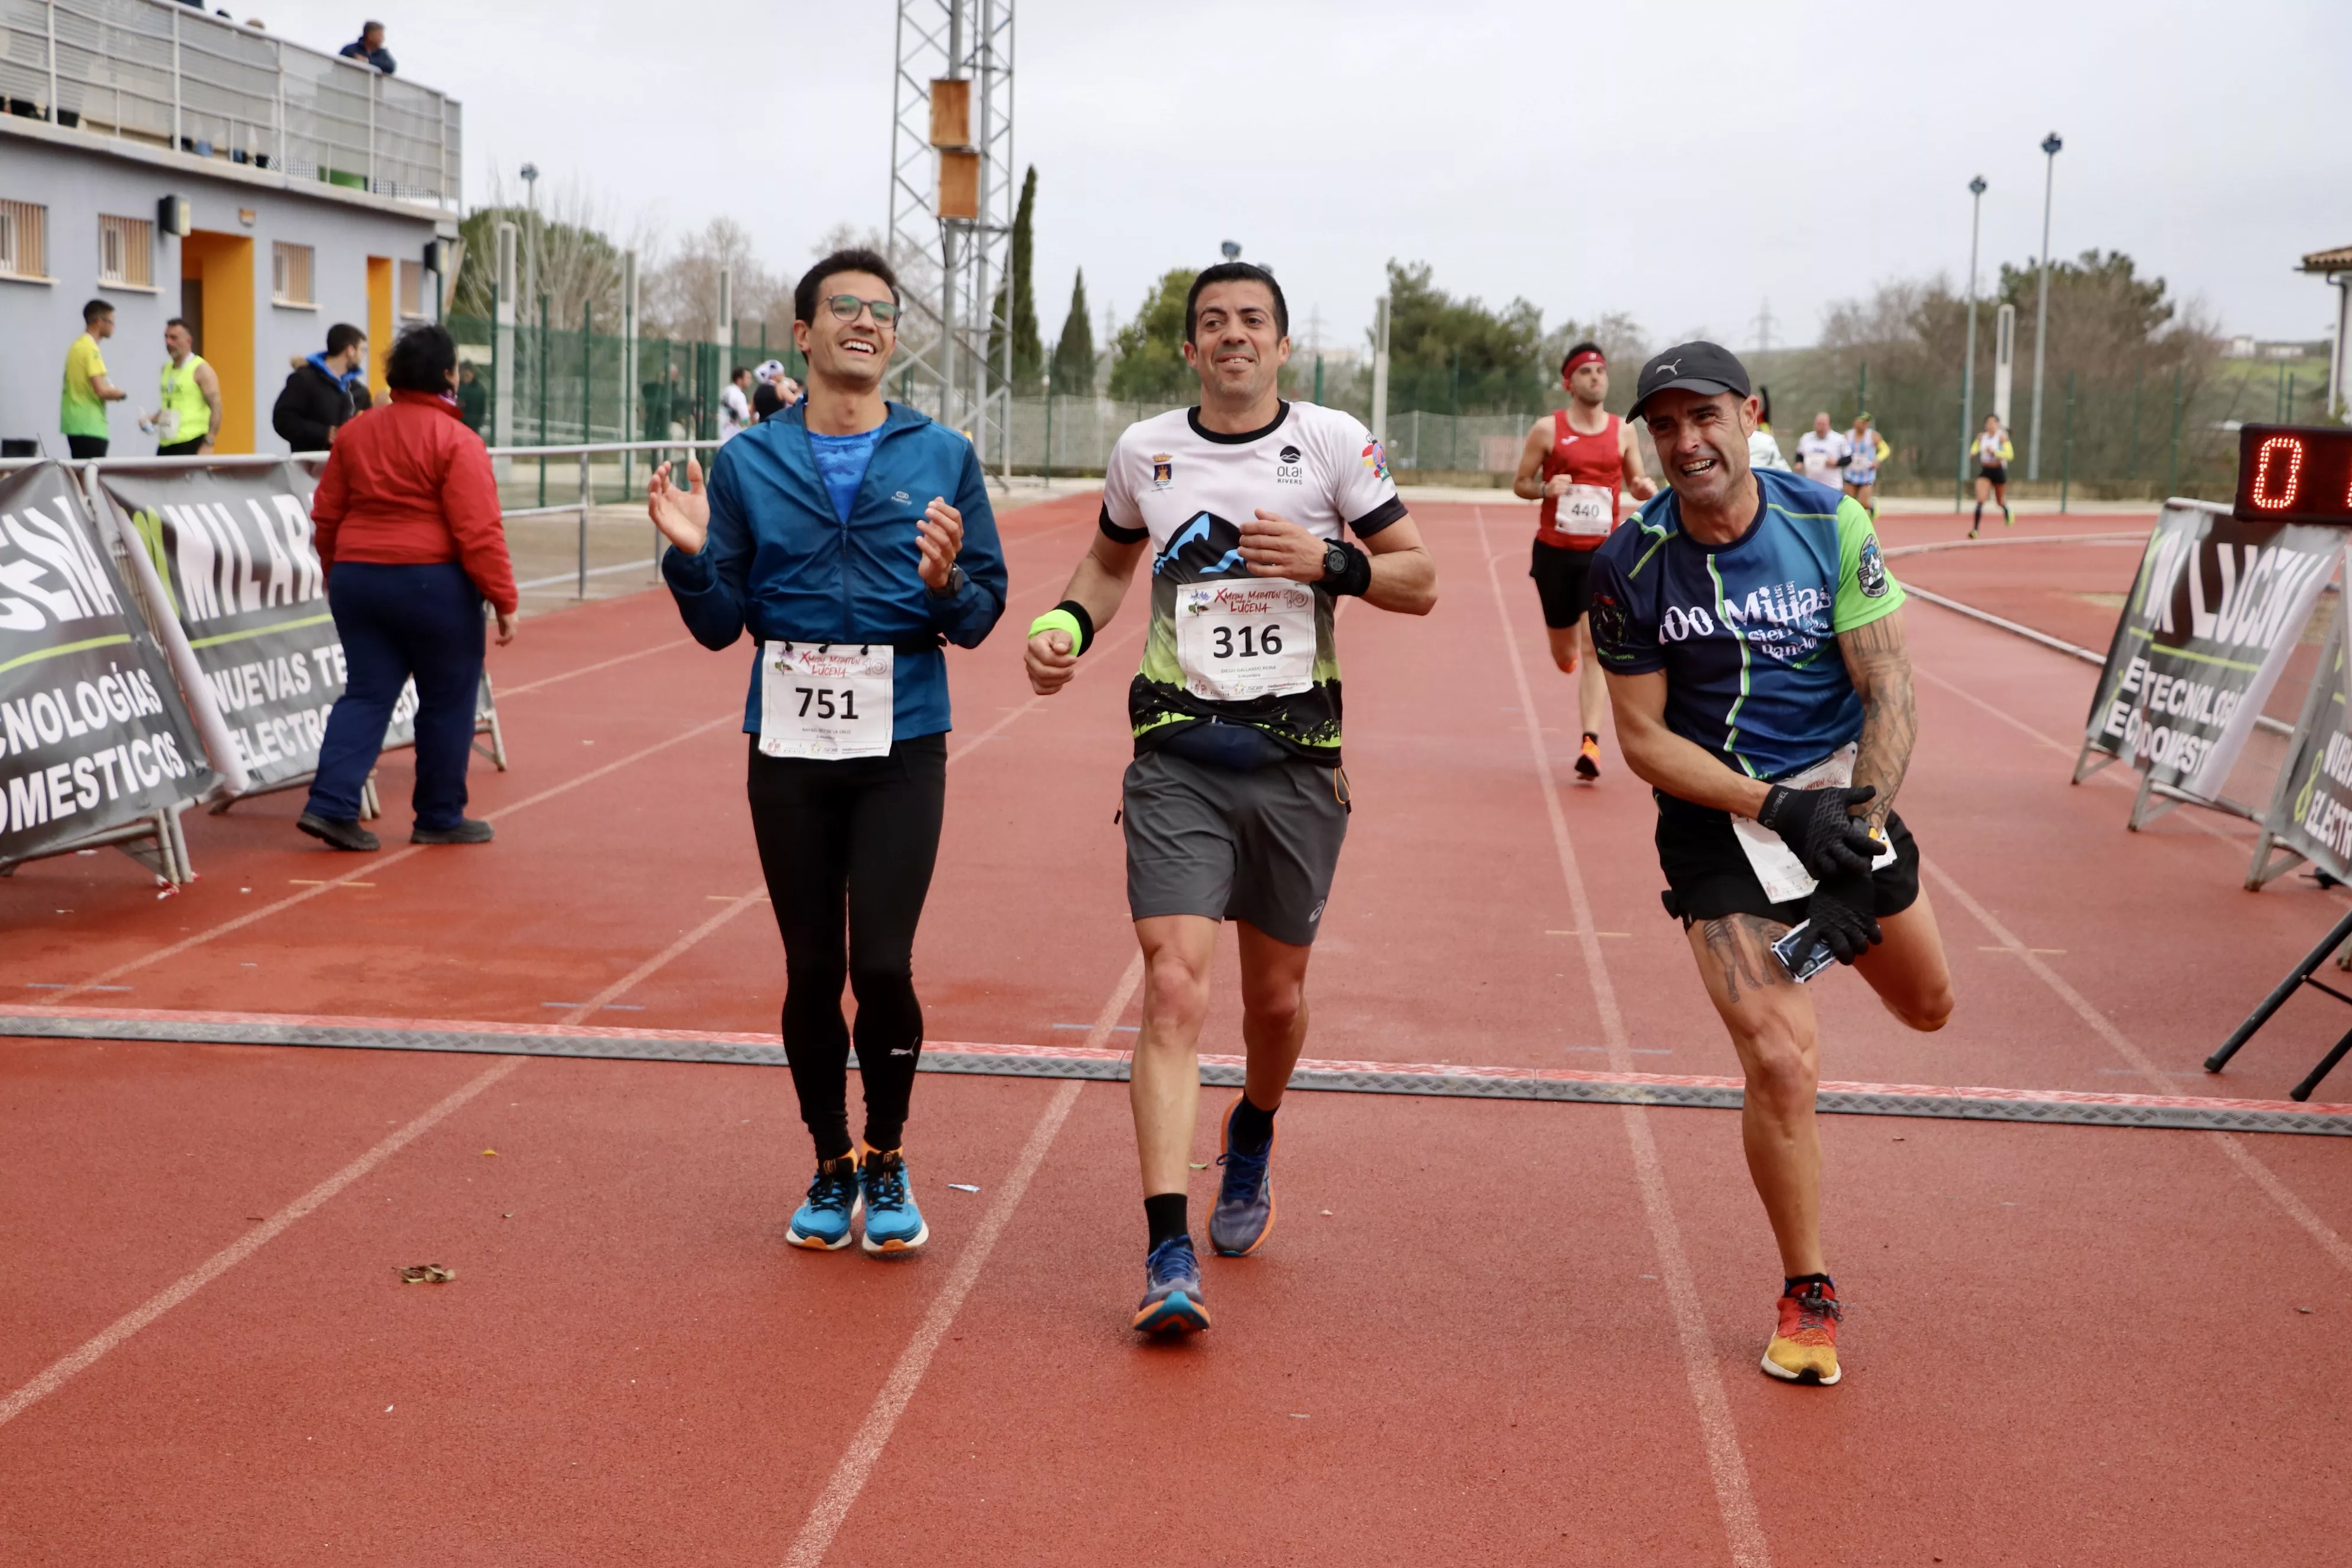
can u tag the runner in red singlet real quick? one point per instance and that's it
(1575, 460)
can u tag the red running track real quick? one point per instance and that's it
(1483, 1330)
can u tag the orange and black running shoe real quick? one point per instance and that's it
(1588, 759)
(1805, 1350)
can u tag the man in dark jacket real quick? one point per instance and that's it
(324, 390)
(368, 46)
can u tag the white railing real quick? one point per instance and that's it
(167, 74)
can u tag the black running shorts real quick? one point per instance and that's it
(1709, 875)
(1995, 473)
(1564, 583)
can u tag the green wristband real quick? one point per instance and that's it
(1061, 620)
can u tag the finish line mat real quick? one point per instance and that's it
(2198, 1112)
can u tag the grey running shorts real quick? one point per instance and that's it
(1259, 845)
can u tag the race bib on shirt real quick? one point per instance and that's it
(1239, 640)
(1585, 511)
(824, 701)
(1776, 865)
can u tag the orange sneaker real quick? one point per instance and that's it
(1588, 760)
(1805, 1350)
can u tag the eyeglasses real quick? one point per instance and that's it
(844, 308)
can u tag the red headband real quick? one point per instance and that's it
(1590, 356)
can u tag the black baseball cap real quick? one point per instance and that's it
(1701, 367)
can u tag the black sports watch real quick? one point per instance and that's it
(956, 580)
(1337, 559)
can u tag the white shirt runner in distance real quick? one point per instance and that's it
(1239, 640)
(824, 701)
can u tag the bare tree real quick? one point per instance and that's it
(577, 262)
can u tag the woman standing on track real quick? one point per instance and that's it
(827, 532)
(406, 523)
(1994, 454)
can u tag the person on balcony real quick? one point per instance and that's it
(368, 46)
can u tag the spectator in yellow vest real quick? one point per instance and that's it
(81, 407)
(188, 420)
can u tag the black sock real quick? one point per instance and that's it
(1593, 736)
(1979, 512)
(1251, 1128)
(1790, 1282)
(1165, 1214)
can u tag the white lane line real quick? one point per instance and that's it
(2232, 1146)
(547, 680)
(865, 1450)
(66, 1367)
(1734, 1502)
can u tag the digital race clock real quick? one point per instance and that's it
(2294, 473)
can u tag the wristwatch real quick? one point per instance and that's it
(956, 580)
(1336, 560)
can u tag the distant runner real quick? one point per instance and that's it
(1234, 805)
(1575, 460)
(1714, 610)
(1994, 455)
(1869, 448)
(1763, 447)
(1823, 453)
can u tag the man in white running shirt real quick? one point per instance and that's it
(1822, 452)
(735, 406)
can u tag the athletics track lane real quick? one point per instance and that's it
(1421, 1486)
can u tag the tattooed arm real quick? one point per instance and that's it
(1878, 660)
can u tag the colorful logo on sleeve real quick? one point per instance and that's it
(1376, 458)
(1163, 470)
(1870, 572)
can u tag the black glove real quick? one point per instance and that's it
(1819, 826)
(1841, 918)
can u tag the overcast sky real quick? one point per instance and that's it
(1682, 163)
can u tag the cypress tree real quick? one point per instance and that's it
(1028, 354)
(1073, 356)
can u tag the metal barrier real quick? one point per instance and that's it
(587, 498)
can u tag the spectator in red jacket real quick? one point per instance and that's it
(407, 517)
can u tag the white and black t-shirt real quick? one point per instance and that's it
(1240, 655)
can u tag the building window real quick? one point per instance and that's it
(412, 290)
(290, 274)
(23, 239)
(126, 251)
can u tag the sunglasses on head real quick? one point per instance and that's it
(844, 308)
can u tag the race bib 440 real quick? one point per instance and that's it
(1239, 640)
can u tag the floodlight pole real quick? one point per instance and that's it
(1380, 370)
(530, 233)
(2050, 146)
(1968, 365)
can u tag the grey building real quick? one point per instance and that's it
(176, 164)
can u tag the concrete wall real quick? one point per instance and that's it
(77, 178)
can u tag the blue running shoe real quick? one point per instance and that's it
(893, 1223)
(1172, 1297)
(1243, 1216)
(823, 1221)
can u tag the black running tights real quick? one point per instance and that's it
(851, 843)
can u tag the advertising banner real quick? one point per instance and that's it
(2219, 604)
(2311, 811)
(233, 556)
(93, 732)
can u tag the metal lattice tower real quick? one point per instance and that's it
(951, 200)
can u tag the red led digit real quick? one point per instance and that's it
(2262, 494)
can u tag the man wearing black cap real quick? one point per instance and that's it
(1775, 767)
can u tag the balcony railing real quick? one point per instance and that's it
(167, 74)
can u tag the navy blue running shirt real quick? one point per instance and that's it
(1746, 632)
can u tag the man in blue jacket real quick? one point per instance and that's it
(849, 536)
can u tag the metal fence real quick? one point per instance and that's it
(172, 76)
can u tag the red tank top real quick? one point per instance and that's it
(1596, 461)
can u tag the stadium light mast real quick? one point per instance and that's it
(951, 208)
(531, 240)
(2050, 146)
(1968, 365)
